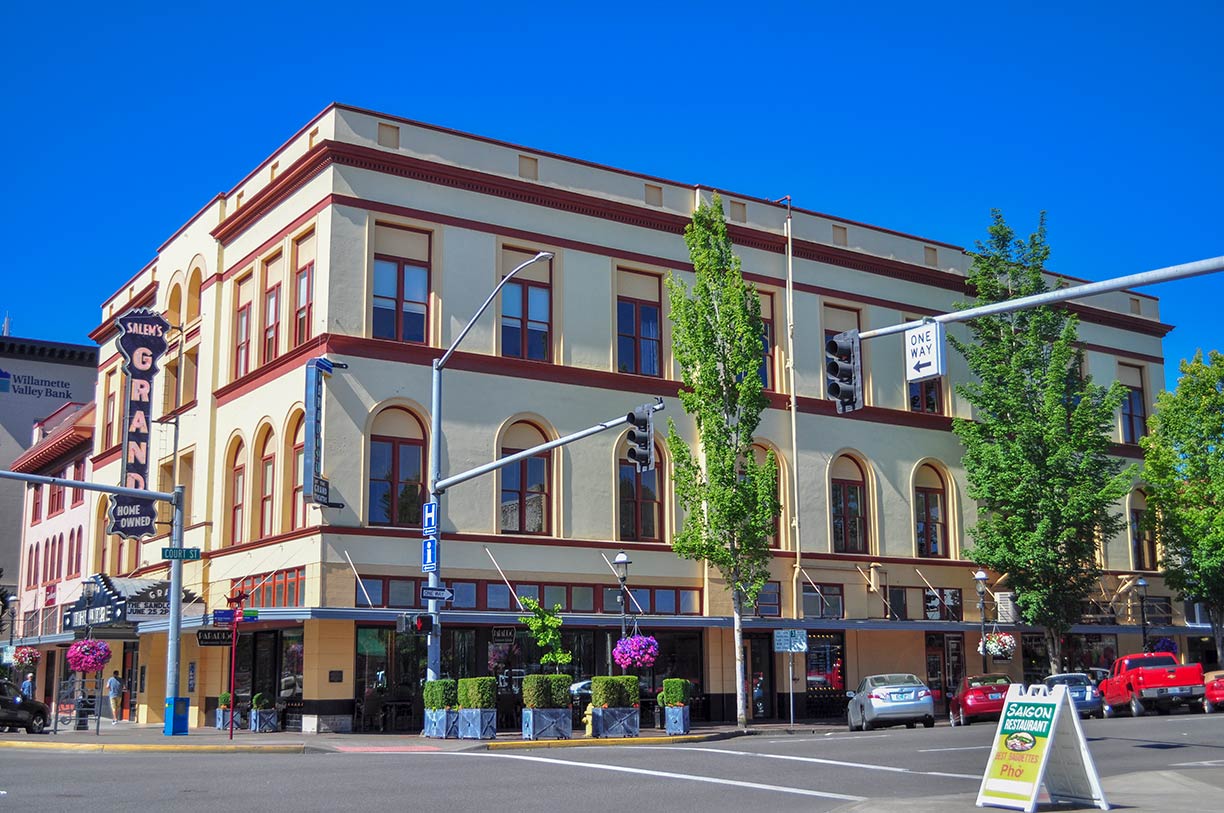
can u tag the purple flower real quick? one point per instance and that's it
(88, 655)
(636, 650)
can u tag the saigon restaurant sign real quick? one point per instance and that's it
(142, 341)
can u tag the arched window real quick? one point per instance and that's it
(847, 503)
(1143, 541)
(266, 455)
(59, 558)
(525, 506)
(193, 296)
(174, 306)
(297, 454)
(640, 499)
(397, 465)
(46, 558)
(236, 494)
(80, 545)
(32, 565)
(930, 513)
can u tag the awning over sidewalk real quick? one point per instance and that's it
(118, 604)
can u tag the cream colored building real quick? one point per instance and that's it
(371, 240)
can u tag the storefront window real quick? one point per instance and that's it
(389, 677)
(826, 678)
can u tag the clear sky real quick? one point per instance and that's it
(120, 121)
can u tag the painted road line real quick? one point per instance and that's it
(819, 761)
(962, 748)
(1209, 763)
(831, 737)
(670, 775)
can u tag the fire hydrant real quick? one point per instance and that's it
(587, 719)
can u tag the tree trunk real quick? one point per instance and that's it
(741, 698)
(1216, 618)
(1054, 650)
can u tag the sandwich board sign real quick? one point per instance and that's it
(1038, 745)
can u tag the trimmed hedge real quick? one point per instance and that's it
(546, 691)
(615, 691)
(440, 694)
(676, 692)
(478, 693)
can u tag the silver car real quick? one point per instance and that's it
(890, 700)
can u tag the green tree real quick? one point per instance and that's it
(1184, 471)
(730, 501)
(545, 627)
(1037, 449)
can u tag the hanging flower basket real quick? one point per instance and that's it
(636, 650)
(998, 644)
(1165, 645)
(26, 656)
(88, 655)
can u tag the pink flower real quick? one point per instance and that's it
(88, 655)
(636, 650)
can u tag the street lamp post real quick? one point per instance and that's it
(979, 579)
(434, 658)
(621, 563)
(1142, 585)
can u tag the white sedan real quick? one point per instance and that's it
(890, 700)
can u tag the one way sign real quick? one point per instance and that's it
(924, 354)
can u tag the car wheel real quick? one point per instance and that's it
(1108, 711)
(1100, 715)
(911, 725)
(951, 718)
(850, 720)
(37, 724)
(1136, 707)
(928, 722)
(964, 719)
(1208, 706)
(867, 724)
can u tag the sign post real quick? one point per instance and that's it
(1037, 724)
(790, 642)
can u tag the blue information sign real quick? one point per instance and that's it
(429, 554)
(223, 617)
(429, 518)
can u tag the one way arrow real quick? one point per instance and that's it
(921, 364)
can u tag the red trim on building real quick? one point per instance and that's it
(295, 358)
(108, 330)
(106, 456)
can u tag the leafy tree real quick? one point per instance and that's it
(1184, 469)
(1037, 450)
(730, 500)
(545, 627)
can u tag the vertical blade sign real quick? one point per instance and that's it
(142, 341)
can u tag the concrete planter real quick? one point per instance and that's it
(677, 720)
(477, 724)
(441, 724)
(542, 724)
(615, 722)
(223, 719)
(264, 721)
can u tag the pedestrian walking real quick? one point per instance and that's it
(27, 686)
(114, 690)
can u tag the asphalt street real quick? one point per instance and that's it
(892, 769)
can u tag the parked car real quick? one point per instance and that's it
(890, 699)
(580, 692)
(1152, 680)
(1085, 695)
(21, 712)
(978, 697)
(1213, 692)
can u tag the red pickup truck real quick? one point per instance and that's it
(1152, 680)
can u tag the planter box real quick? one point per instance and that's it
(223, 719)
(477, 724)
(615, 722)
(677, 719)
(264, 721)
(441, 724)
(540, 724)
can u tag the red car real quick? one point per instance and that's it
(1213, 698)
(978, 697)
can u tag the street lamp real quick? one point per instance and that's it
(1142, 585)
(89, 589)
(433, 669)
(980, 585)
(621, 565)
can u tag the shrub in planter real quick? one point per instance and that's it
(616, 702)
(676, 695)
(441, 698)
(546, 707)
(223, 710)
(478, 708)
(263, 719)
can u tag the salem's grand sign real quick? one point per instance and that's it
(142, 341)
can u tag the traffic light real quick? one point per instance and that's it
(844, 370)
(641, 437)
(420, 624)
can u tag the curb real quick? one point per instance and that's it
(164, 749)
(590, 742)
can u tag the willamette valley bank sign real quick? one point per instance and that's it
(142, 341)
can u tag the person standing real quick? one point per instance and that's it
(27, 686)
(114, 690)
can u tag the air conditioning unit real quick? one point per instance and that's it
(1006, 608)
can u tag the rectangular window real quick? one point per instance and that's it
(271, 331)
(612, 600)
(849, 524)
(665, 602)
(401, 593)
(929, 522)
(639, 503)
(465, 595)
(524, 495)
(1134, 409)
(298, 517)
(266, 486)
(283, 588)
(898, 604)
(303, 288)
(78, 474)
(1159, 610)
(554, 595)
(823, 601)
(767, 344)
(401, 300)
(370, 592)
(639, 600)
(242, 329)
(396, 488)
(36, 504)
(637, 340)
(926, 396)
(526, 324)
(1143, 543)
(531, 591)
(942, 604)
(769, 600)
(108, 427)
(497, 596)
(237, 514)
(55, 500)
(690, 602)
(838, 320)
(583, 599)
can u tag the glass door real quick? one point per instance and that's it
(758, 660)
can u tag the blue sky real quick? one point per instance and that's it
(121, 121)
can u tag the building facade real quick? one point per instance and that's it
(371, 240)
